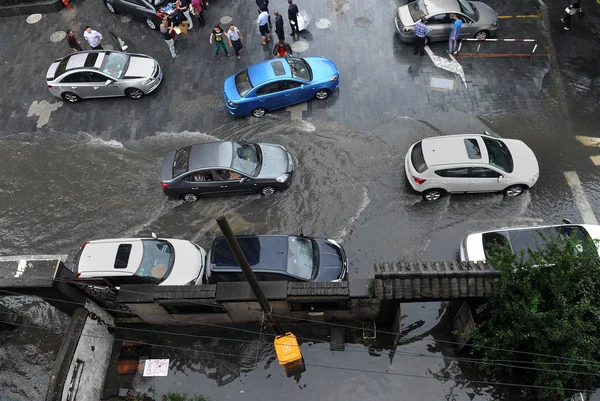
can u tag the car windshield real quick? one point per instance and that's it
(115, 64)
(157, 261)
(301, 258)
(499, 154)
(247, 158)
(468, 9)
(417, 10)
(300, 69)
(242, 83)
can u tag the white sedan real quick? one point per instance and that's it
(477, 246)
(141, 261)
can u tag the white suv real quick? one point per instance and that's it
(470, 163)
(141, 261)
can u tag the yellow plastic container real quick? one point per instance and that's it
(287, 349)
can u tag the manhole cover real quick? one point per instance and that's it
(125, 19)
(441, 83)
(322, 23)
(362, 22)
(33, 18)
(226, 20)
(300, 46)
(108, 47)
(58, 36)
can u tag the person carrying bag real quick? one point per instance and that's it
(570, 11)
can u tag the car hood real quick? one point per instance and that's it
(322, 68)
(526, 166)
(188, 265)
(486, 13)
(275, 161)
(230, 89)
(166, 168)
(140, 67)
(331, 261)
(404, 15)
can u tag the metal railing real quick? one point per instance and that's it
(534, 43)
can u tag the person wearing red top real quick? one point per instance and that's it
(282, 49)
(73, 43)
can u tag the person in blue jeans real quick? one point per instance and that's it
(454, 35)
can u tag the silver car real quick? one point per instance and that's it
(479, 20)
(103, 73)
(470, 163)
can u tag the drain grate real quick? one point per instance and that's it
(226, 20)
(362, 22)
(322, 23)
(299, 46)
(441, 83)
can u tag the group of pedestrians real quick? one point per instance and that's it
(94, 38)
(421, 31)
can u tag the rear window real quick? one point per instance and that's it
(417, 159)
(417, 10)
(473, 151)
(62, 67)
(181, 161)
(242, 83)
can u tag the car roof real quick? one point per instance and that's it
(263, 252)
(269, 70)
(442, 6)
(99, 256)
(211, 154)
(451, 149)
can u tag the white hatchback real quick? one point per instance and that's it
(477, 246)
(470, 163)
(141, 261)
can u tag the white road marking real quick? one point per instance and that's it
(21, 268)
(585, 209)
(589, 140)
(42, 109)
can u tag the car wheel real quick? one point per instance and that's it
(433, 194)
(514, 190)
(70, 97)
(266, 191)
(110, 7)
(151, 24)
(134, 93)
(188, 198)
(481, 35)
(322, 94)
(258, 112)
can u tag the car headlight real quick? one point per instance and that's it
(282, 178)
(147, 81)
(406, 29)
(495, 24)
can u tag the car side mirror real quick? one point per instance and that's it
(108, 82)
(470, 23)
(243, 179)
(302, 86)
(566, 221)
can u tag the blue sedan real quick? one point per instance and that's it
(278, 83)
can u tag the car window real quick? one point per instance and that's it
(301, 258)
(199, 176)
(482, 172)
(227, 175)
(285, 85)
(242, 83)
(118, 281)
(417, 10)
(114, 64)
(122, 258)
(157, 261)
(247, 158)
(95, 77)
(300, 69)
(76, 77)
(417, 158)
(440, 19)
(493, 240)
(472, 146)
(467, 8)
(278, 69)
(498, 153)
(461, 172)
(181, 161)
(268, 89)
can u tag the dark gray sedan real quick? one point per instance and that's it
(226, 168)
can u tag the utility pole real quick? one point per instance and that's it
(243, 262)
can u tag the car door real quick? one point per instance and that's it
(233, 183)
(440, 26)
(100, 88)
(484, 179)
(294, 92)
(200, 182)
(468, 28)
(455, 179)
(78, 83)
(269, 96)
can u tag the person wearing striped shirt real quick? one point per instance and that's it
(421, 30)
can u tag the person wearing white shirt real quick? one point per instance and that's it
(94, 38)
(263, 26)
(235, 40)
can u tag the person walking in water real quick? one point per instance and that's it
(219, 39)
(454, 35)
(570, 11)
(235, 40)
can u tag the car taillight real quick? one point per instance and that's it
(164, 185)
(83, 244)
(48, 86)
(78, 274)
(418, 180)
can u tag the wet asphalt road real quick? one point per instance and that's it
(70, 181)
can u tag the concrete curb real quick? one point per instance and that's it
(552, 51)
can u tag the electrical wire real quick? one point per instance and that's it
(320, 366)
(293, 318)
